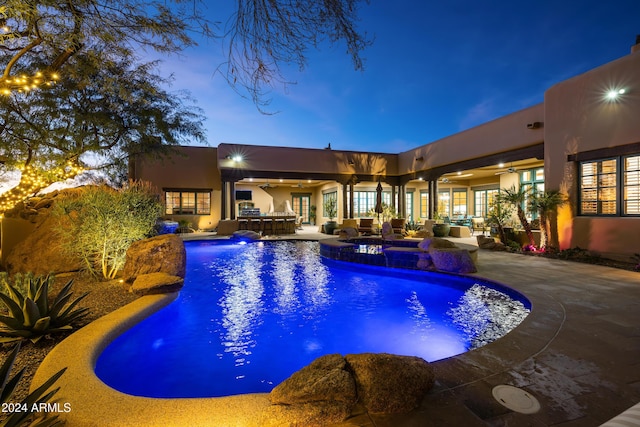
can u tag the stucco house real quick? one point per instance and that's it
(583, 140)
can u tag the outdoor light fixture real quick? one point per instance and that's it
(613, 94)
(420, 159)
(351, 162)
(235, 158)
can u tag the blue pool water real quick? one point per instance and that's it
(251, 315)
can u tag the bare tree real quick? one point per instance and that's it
(259, 37)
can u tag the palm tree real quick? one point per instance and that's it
(498, 214)
(517, 198)
(546, 203)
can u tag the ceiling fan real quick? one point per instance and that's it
(266, 185)
(511, 169)
(299, 185)
(446, 180)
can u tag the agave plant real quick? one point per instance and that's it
(31, 316)
(24, 409)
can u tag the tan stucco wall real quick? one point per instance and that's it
(194, 168)
(264, 158)
(579, 119)
(506, 133)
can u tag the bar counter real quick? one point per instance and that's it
(268, 224)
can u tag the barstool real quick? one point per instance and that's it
(255, 224)
(267, 224)
(243, 224)
(290, 225)
(279, 225)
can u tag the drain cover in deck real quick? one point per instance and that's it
(516, 399)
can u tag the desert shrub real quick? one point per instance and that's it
(103, 222)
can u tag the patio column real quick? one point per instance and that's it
(393, 197)
(433, 198)
(351, 199)
(345, 196)
(223, 200)
(232, 199)
(402, 211)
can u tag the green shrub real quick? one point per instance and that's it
(25, 408)
(31, 316)
(100, 223)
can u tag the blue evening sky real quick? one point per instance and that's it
(435, 68)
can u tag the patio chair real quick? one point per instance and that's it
(397, 224)
(366, 225)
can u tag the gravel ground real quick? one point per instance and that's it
(103, 298)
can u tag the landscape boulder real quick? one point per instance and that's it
(327, 390)
(424, 258)
(160, 254)
(444, 255)
(245, 235)
(326, 378)
(388, 383)
(487, 242)
(156, 283)
(39, 250)
(452, 260)
(348, 233)
(387, 232)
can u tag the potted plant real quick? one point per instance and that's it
(441, 229)
(331, 209)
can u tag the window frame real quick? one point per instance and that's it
(619, 189)
(195, 206)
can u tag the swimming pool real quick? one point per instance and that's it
(250, 315)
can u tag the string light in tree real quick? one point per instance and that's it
(33, 180)
(26, 83)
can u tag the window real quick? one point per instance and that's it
(409, 205)
(598, 193)
(483, 200)
(424, 204)
(444, 203)
(325, 198)
(187, 202)
(460, 202)
(532, 181)
(631, 184)
(365, 201)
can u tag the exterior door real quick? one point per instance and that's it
(300, 205)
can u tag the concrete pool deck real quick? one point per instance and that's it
(578, 353)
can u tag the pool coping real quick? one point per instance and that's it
(108, 407)
(93, 403)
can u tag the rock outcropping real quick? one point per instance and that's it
(327, 390)
(443, 255)
(40, 252)
(156, 283)
(160, 254)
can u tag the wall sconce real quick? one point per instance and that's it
(351, 162)
(420, 159)
(235, 158)
(614, 94)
